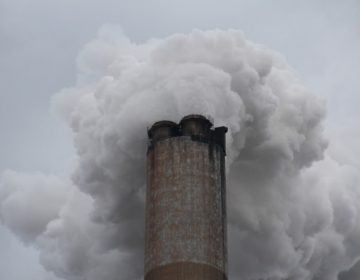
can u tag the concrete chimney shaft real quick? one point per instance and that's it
(185, 201)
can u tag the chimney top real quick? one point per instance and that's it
(198, 127)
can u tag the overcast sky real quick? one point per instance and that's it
(40, 40)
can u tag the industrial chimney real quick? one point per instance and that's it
(185, 201)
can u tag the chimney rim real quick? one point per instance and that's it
(196, 117)
(159, 124)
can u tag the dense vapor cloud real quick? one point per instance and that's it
(28, 203)
(293, 211)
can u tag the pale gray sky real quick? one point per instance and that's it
(40, 40)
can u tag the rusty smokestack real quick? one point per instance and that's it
(185, 203)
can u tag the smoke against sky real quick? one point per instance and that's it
(293, 210)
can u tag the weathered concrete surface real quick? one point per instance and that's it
(185, 215)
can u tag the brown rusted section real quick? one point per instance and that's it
(185, 270)
(185, 203)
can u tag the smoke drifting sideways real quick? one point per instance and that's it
(293, 211)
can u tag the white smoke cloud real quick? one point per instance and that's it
(28, 202)
(293, 210)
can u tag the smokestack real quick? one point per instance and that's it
(185, 203)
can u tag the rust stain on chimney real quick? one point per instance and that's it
(185, 203)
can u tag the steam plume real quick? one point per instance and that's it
(293, 210)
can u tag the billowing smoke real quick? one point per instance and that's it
(293, 211)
